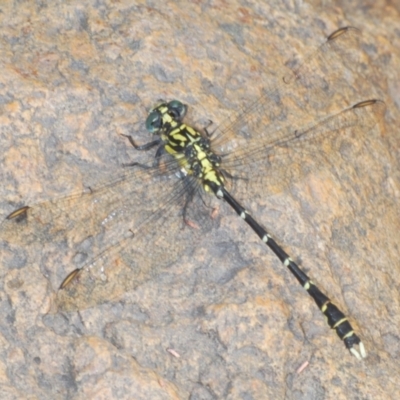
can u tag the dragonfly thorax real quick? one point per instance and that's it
(187, 145)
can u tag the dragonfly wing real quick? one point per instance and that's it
(114, 235)
(275, 163)
(304, 93)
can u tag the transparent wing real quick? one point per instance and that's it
(116, 235)
(360, 118)
(124, 232)
(307, 92)
(310, 104)
(139, 256)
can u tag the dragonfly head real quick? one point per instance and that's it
(165, 116)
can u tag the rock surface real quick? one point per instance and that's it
(226, 321)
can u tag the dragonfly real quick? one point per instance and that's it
(121, 233)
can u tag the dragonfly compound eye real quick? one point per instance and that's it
(154, 122)
(177, 110)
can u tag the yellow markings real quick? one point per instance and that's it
(362, 350)
(208, 168)
(18, 212)
(212, 176)
(167, 119)
(325, 305)
(179, 136)
(170, 150)
(354, 351)
(307, 286)
(348, 334)
(179, 139)
(201, 155)
(357, 354)
(340, 322)
(287, 262)
(192, 131)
